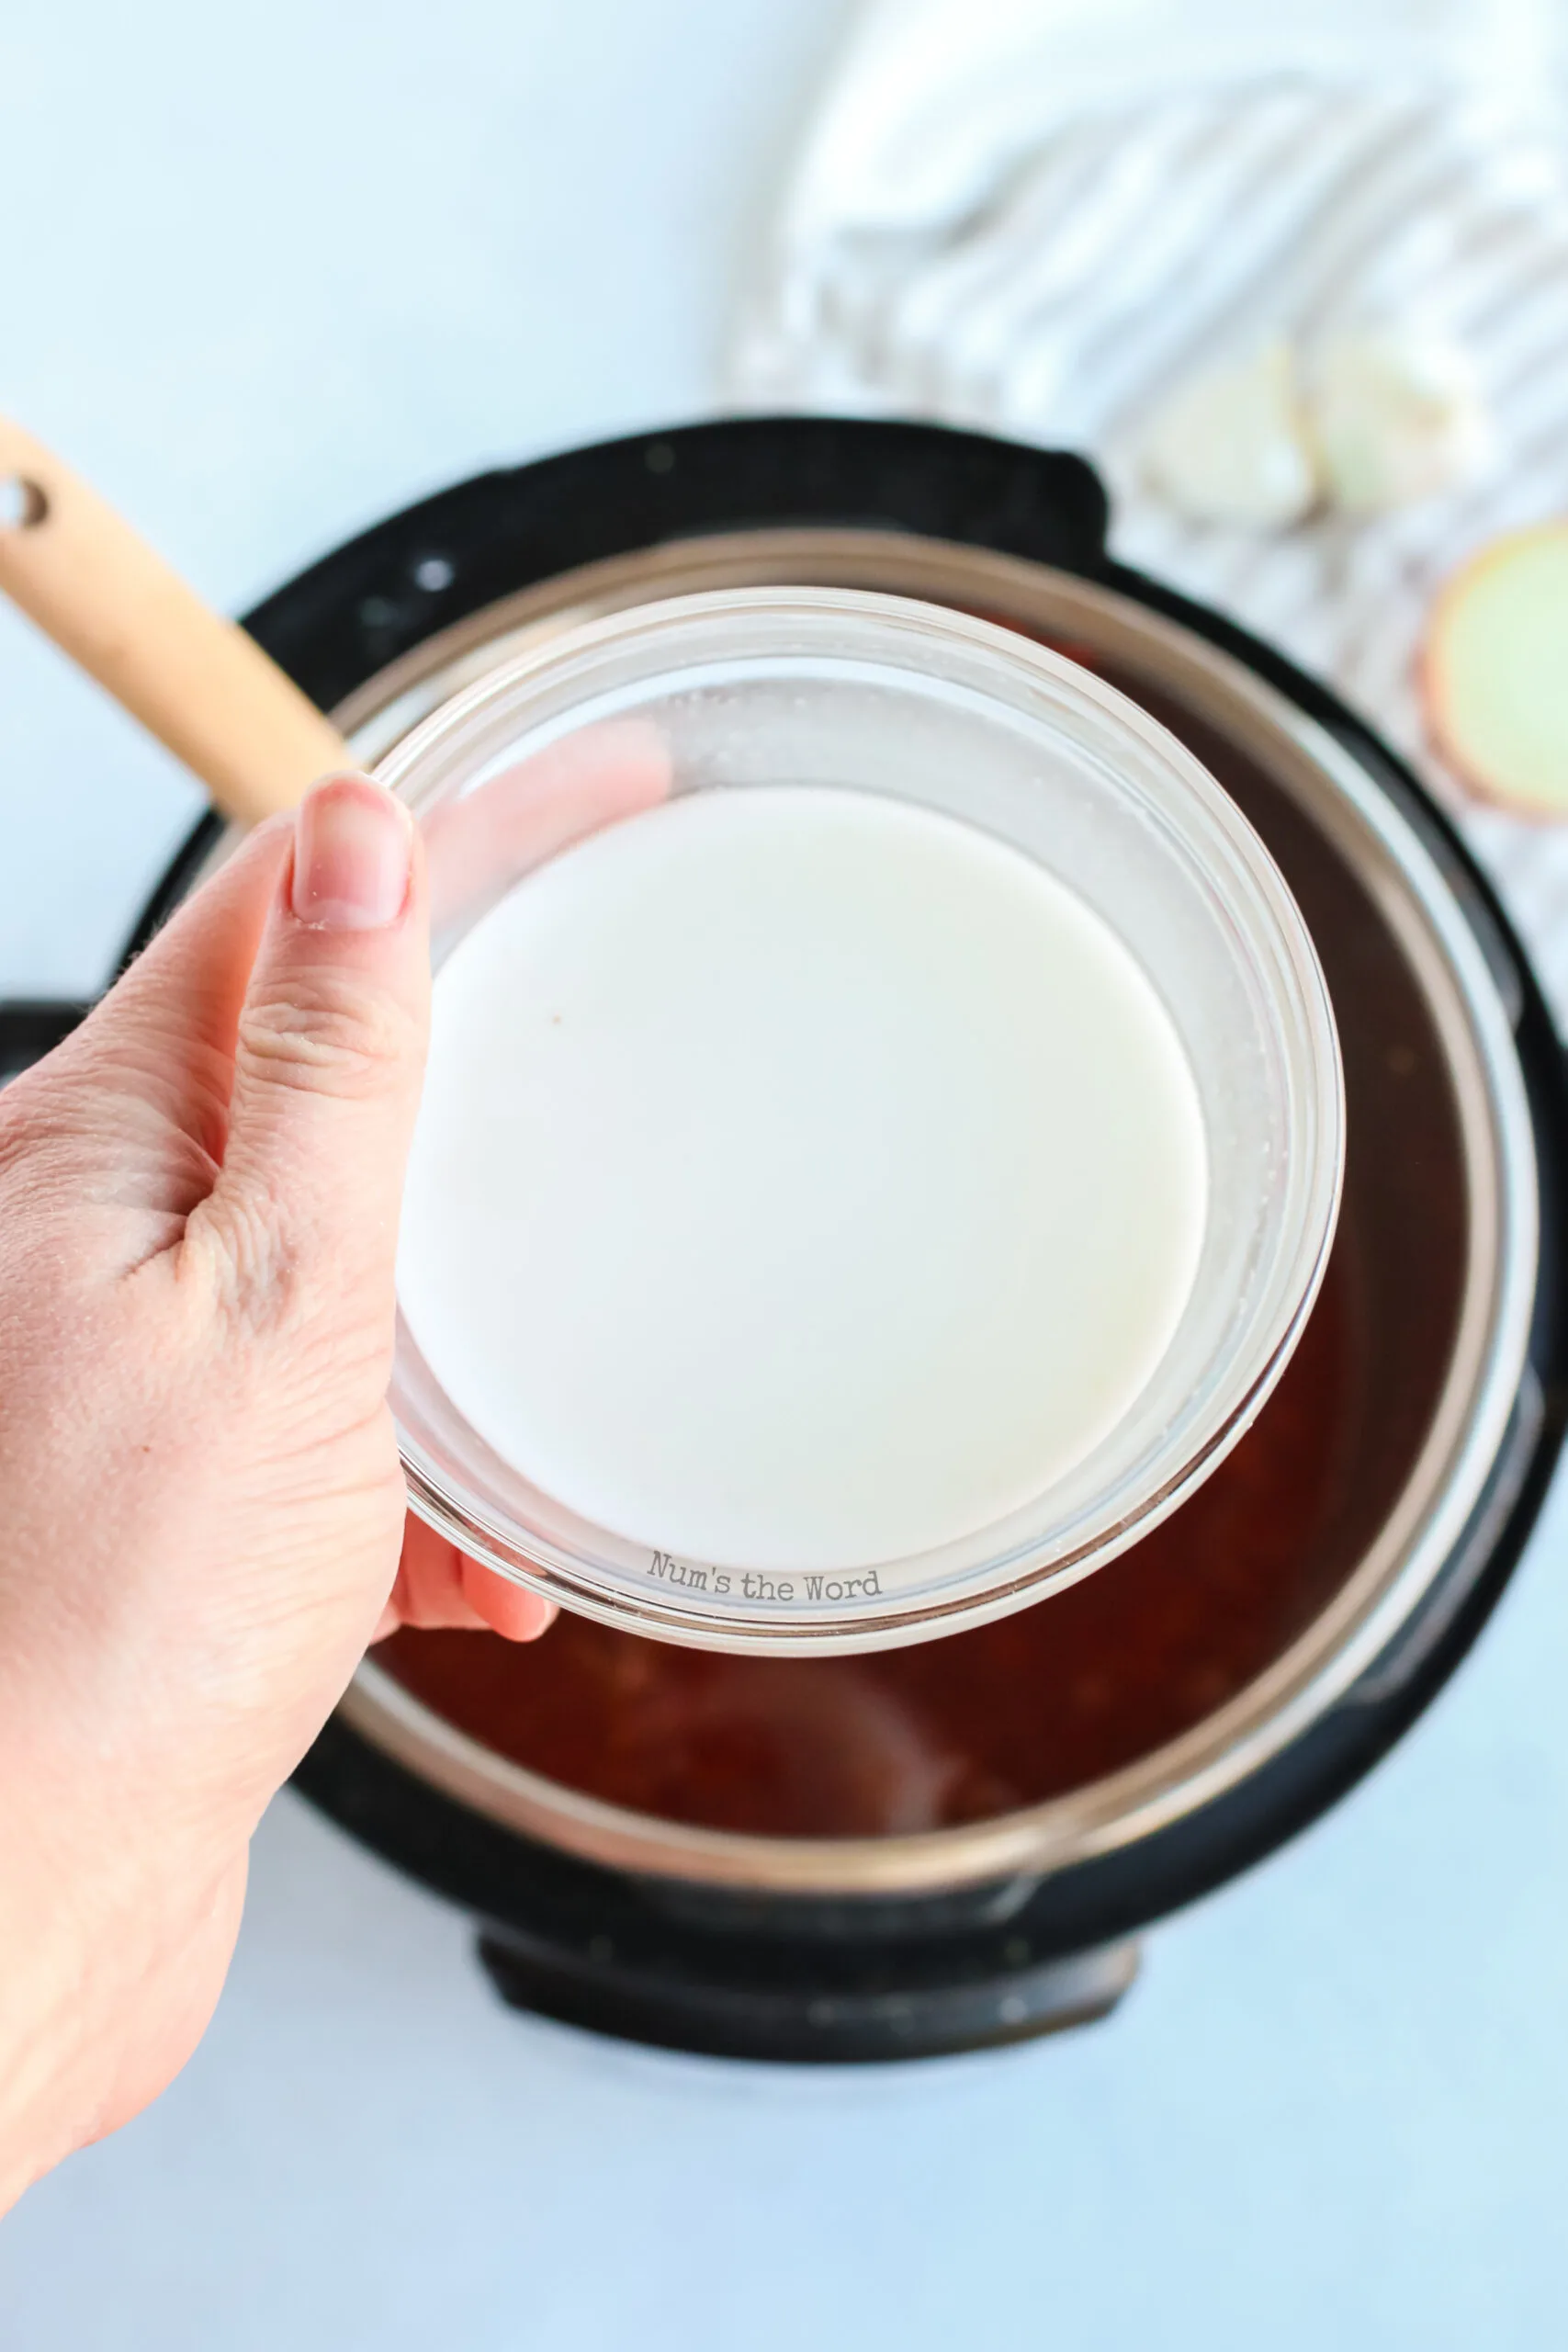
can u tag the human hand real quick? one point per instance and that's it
(198, 1479)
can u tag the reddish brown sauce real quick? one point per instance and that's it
(1009, 1714)
(951, 1730)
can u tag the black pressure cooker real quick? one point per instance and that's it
(1024, 1915)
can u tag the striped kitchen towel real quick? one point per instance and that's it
(1038, 216)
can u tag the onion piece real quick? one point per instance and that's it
(1494, 672)
(1229, 444)
(1394, 415)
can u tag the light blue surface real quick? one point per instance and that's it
(268, 273)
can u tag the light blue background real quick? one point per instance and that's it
(266, 273)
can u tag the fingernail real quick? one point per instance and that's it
(352, 848)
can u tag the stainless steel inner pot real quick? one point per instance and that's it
(1490, 1405)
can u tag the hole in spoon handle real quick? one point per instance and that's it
(23, 505)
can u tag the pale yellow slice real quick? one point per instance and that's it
(1494, 672)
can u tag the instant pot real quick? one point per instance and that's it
(1024, 1915)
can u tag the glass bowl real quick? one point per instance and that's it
(885, 695)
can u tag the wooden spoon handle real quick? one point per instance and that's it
(203, 687)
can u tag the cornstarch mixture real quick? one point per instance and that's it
(804, 1179)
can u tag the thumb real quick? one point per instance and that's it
(329, 1054)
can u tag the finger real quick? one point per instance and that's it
(428, 1591)
(437, 1585)
(329, 1054)
(479, 845)
(508, 1609)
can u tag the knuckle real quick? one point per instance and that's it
(264, 1285)
(330, 1034)
(248, 1267)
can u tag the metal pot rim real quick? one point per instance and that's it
(1488, 1384)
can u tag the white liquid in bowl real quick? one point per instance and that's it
(804, 1179)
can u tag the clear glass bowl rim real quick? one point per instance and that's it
(497, 707)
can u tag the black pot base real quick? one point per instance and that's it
(841, 2007)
